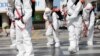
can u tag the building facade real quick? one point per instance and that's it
(3, 17)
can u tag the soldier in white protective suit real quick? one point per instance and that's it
(51, 24)
(89, 19)
(12, 27)
(21, 15)
(74, 21)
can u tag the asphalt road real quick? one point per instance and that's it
(40, 49)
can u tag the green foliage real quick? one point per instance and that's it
(38, 16)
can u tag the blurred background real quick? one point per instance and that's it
(39, 39)
(38, 7)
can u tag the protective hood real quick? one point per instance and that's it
(47, 10)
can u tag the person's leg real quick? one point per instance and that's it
(55, 37)
(90, 37)
(50, 40)
(49, 36)
(19, 42)
(78, 31)
(27, 43)
(72, 40)
(13, 35)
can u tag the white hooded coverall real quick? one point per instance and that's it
(51, 30)
(12, 27)
(74, 21)
(23, 27)
(89, 19)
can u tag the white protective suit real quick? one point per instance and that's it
(51, 30)
(12, 27)
(23, 27)
(74, 21)
(89, 19)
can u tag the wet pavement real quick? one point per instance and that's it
(40, 49)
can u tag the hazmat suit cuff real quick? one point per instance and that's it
(72, 17)
(12, 18)
(24, 20)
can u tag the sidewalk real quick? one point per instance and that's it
(40, 34)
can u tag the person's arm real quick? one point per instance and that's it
(78, 8)
(92, 20)
(27, 10)
(10, 9)
(70, 7)
(45, 17)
